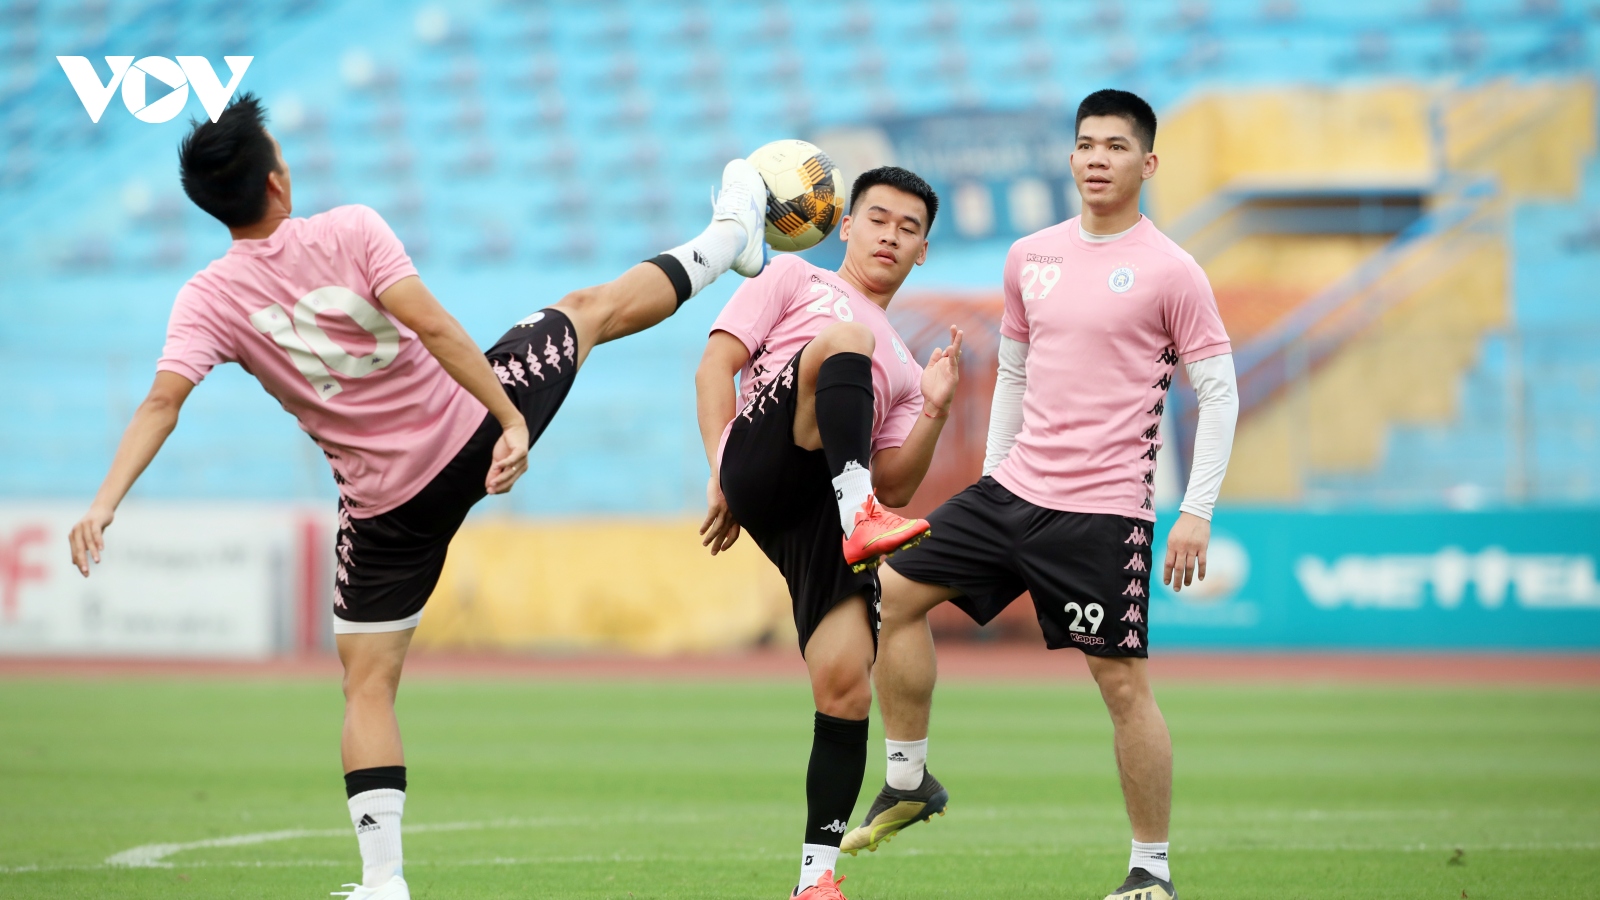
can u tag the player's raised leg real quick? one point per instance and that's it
(1144, 763)
(839, 660)
(374, 762)
(834, 414)
(905, 674)
(651, 291)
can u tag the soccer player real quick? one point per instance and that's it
(416, 422)
(832, 421)
(1099, 310)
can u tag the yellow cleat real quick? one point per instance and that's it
(1141, 885)
(893, 811)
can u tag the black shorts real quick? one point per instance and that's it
(388, 565)
(782, 495)
(1089, 573)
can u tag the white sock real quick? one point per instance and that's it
(376, 816)
(1152, 858)
(851, 489)
(907, 759)
(710, 254)
(814, 860)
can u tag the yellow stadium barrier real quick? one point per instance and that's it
(644, 587)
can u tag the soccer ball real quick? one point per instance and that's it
(805, 193)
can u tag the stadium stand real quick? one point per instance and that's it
(522, 149)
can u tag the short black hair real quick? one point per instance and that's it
(901, 180)
(224, 164)
(1111, 102)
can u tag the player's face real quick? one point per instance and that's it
(1108, 162)
(887, 234)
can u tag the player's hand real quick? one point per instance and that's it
(88, 537)
(510, 458)
(941, 375)
(719, 530)
(1186, 551)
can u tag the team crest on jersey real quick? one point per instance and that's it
(899, 350)
(1121, 279)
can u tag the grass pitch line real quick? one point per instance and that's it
(153, 856)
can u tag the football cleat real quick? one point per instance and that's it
(894, 810)
(1141, 885)
(393, 889)
(743, 201)
(878, 533)
(825, 889)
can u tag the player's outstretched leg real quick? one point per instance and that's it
(834, 413)
(653, 290)
(1144, 762)
(374, 763)
(839, 660)
(905, 672)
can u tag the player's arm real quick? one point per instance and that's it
(716, 402)
(415, 306)
(1217, 388)
(152, 422)
(897, 472)
(1005, 411)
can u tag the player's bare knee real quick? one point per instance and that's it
(1123, 689)
(591, 309)
(846, 337)
(843, 690)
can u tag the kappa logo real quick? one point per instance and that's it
(837, 827)
(1138, 538)
(133, 77)
(1135, 588)
(1089, 639)
(1132, 615)
(1136, 564)
(367, 823)
(1131, 641)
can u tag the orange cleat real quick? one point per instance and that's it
(878, 533)
(825, 889)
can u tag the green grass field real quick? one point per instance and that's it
(526, 789)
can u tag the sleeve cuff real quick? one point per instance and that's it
(395, 278)
(181, 368)
(1195, 510)
(749, 342)
(1014, 334)
(1205, 352)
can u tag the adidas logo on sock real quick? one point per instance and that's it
(837, 827)
(700, 259)
(367, 823)
(897, 756)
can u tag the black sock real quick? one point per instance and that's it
(838, 763)
(675, 274)
(373, 779)
(844, 410)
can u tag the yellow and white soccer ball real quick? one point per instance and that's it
(806, 193)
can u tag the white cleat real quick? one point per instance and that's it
(743, 200)
(393, 889)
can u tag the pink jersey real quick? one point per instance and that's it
(1106, 324)
(299, 310)
(779, 311)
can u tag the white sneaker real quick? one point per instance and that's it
(393, 889)
(743, 200)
